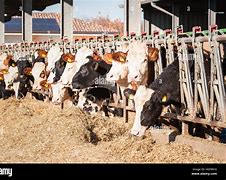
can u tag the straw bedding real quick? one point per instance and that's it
(34, 131)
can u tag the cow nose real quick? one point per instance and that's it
(135, 77)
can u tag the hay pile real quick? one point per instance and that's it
(33, 131)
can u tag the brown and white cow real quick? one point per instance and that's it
(137, 58)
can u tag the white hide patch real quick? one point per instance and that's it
(81, 56)
(3, 56)
(10, 76)
(36, 71)
(54, 54)
(16, 88)
(81, 100)
(137, 61)
(51, 77)
(58, 91)
(142, 95)
(72, 68)
(118, 72)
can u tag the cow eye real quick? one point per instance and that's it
(145, 60)
(84, 71)
(149, 107)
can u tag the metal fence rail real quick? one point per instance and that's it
(197, 93)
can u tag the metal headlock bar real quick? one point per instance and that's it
(186, 90)
(201, 93)
(196, 92)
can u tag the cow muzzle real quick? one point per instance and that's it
(134, 78)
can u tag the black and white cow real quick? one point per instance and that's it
(23, 82)
(166, 91)
(93, 74)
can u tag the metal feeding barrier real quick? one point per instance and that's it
(202, 94)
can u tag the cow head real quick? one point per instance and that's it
(54, 54)
(60, 93)
(89, 73)
(138, 56)
(22, 83)
(38, 72)
(59, 69)
(69, 70)
(40, 56)
(9, 76)
(152, 109)
(119, 69)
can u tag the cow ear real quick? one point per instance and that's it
(69, 58)
(164, 99)
(45, 85)
(6, 61)
(120, 56)
(28, 71)
(108, 58)
(42, 53)
(4, 71)
(153, 54)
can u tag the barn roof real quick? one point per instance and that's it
(50, 23)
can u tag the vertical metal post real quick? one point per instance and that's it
(211, 12)
(2, 12)
(135, 16)
(67, 19)
(147, 23)
(126, 16)
(27, 20)
(175, 17)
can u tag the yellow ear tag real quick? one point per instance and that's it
(1, 78)
(13, 64)
(131, 97)
(164, 98)
(46, 85)
(121, 59)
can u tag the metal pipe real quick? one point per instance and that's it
(161, 9)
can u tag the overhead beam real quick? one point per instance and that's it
(67, 19)
(2, 15)
(175, 17)
(147, 24)
(126, 17)
(133, 16)
(211, 12)
(27, 20)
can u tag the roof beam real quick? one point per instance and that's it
(27, 20)
(211, 12)
(67, 19)
(2, 19)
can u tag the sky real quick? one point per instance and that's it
(86, 9)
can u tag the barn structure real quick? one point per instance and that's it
(24, 8)
(150, 15)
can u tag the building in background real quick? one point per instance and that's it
(168, 14)
(46, 26)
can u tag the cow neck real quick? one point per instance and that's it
(144, 81)
(123, 82)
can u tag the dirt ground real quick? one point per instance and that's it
(36, 132)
